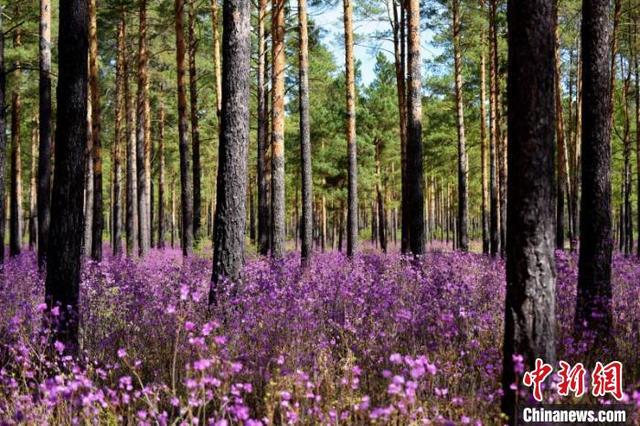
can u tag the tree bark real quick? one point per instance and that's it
(305, 136)
(486, 243)
(230, 216)
(561, 150)
(352, 172)
(44, 157)
(33, 217)
(415, 174)
(531, 278)
(132, 173)
(15, 226)
(116, 216)
(98, 219)
(161, 176)
(65, 244)
(277, 133)
(263, 189)
(143, 135)
(195, 127)
(494, 132)
(593, 310)
(3, 141)
(463, 169)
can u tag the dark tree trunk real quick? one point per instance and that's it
(463, 169)
(186, 193)
(495, 130)
(277, 133)
(305, 137)
(234, 141)
(98, 219)
(530, 301)
(352, 172)
(65, 244)
(637, 102)
(593, 311)
(15, 226)
(561, 149)
(44, 156)
(195, 127)
(415, 177)
(3, 141)
(263, 189)
(116, 215)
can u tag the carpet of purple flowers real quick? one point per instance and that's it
(379, 339)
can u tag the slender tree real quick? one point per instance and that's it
(3, 141)
(494, 119)
(305, 135)
(593, 308)
(98, 219)
(65, 244)
(263, 196)
(561, 162)
(195, 126)
(116, 216)
(186, 192)
(415, 174)
(486, 243)
(132, 173)
(234, 141)
(44, 156)
(530, 301)
(161, 176)
(352, 171)
(33, 216)
(277, 132)
(463, 205)
(143, 135)
(15, 225)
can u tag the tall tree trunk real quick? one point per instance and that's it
(3, 141)
(380, 209)
(626, 230)
(65, 244)
(637, 118)
(593, 310)
(15, 226)
(494, 132)
(463, 169)
(305, 136)
(195, 127)
(44, 157)
(132, 166)
(352, 172)
(277, 134)
(186, 193)
(217, 63)
(234, 142)
(415, 174)
(88, 176)
(161, 176)
(116, 216)
(531, 277)
(561, 149)
(263, 196)
(486, 243)
(98, 219)
(33, 217)
(143, 136)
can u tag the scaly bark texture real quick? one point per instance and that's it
(415, 174)
(263, 188)
(98, 219)
(143, 135)
(186, 184)
(195, 126)
(44, 149)
(277, 133)
(463, 169)
(65, 244)
(486, 242)
(531, 277)
(229, 224)
(15, 205)
(352, 152)
(305, 136)
(116, 214)
(3, 141)
(593, 312)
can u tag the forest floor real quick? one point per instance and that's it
(380, 339)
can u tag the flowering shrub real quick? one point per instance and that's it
(380, 339)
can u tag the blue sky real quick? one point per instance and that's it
(367, 46)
